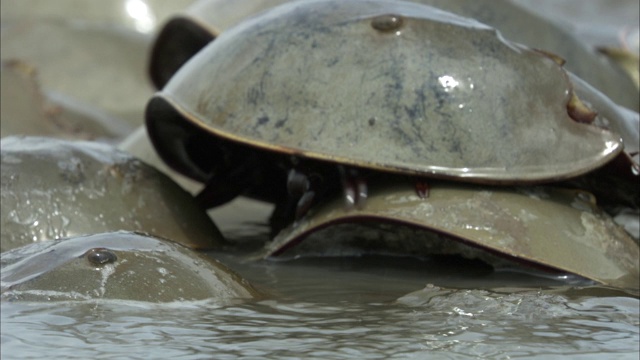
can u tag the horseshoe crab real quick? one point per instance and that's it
(139, 145)
(386, 93)
(616, 183)
(119, 265)
(22, 102)
(54, 188)
(186, 33)
(93, 56)
(518, 22)
(29, 110)
(546, 227)
(628, 61)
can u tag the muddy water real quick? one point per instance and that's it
(349, 308)
(360, 307)
(341, 309)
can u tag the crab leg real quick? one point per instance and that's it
(422, 188)
(229, 182)
(299, 187)
(354, 187)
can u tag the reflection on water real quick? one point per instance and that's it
(344, 308)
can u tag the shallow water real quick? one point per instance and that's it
(349, 307)
(331, 308)
(372, 307)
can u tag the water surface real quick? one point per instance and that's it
(344, 308)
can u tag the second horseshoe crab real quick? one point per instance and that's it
(546, 227)
(90, 55)
(55, 188)
(188, 32)
(385, 94)
(28, 109)
(119, 265)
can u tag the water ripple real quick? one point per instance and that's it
(491, 324)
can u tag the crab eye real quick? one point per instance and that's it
(386, 23)
(100, 256)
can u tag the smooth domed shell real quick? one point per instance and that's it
(550, 227)
(54, 189)
(386, 85)
(190, 30)
(517, 21)
(119, 265)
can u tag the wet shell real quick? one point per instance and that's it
(54, 189)
(549, 227)
(385, 85)
(517, 22)
(119, 265)
(188, 32)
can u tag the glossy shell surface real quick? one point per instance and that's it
(119, 265)
(54, 189)
(555, 228)
(186, 33)
(520, 24)
(612, 116)
(386, 85)
(189, 31)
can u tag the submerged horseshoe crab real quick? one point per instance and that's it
(546, 227)
(395, 86)
(119, 265)
(55, 188)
